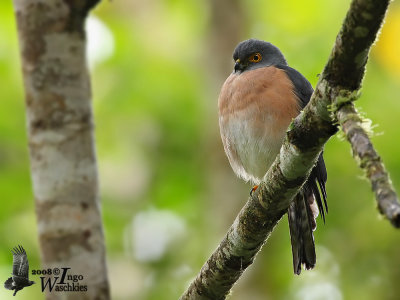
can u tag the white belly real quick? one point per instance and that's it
(251, 150)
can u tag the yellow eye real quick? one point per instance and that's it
(256, 57)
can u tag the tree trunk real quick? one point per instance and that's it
(61, 142)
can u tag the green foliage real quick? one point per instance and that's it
(158, 150)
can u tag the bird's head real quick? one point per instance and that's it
(253, 54)
(31, 282)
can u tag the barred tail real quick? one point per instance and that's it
(302, 225)
(302, 213)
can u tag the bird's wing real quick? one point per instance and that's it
(8, 284)
(302, 87)
(20, 262)
(302, 211)
(303, 90)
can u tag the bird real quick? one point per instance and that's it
(256, 105)
(20, 274)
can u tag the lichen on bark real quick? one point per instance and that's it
(369, 161)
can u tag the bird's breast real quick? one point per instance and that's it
(255, 110)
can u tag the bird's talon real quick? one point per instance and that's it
(253, 190)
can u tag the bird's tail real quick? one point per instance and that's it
(301, 214)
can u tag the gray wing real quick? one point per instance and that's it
(8, 284)
(20, 262)
(318, 176)
(301, 215)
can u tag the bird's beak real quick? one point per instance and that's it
(238, 66)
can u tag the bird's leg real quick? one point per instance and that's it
(253, 190)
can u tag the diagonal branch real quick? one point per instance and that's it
(305, 139)
(370, 161)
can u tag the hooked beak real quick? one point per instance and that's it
(238, 66)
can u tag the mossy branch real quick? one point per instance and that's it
(305, 139)
(370, 161)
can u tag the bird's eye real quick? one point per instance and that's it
(255, 57)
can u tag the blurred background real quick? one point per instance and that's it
(167, 191)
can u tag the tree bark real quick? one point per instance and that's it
(370, 161)
(306, 136)
(61, 142)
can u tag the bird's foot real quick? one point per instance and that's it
(253, 190)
